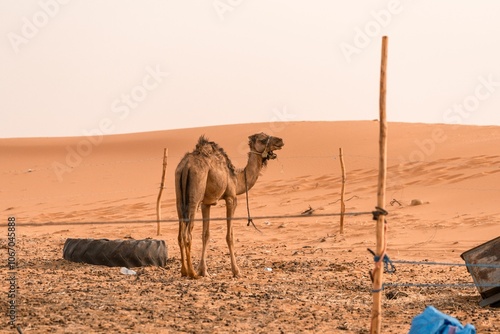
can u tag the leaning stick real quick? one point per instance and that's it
(342, 204)
(376, 315)
(162, 185)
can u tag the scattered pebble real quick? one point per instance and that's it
(415, 202)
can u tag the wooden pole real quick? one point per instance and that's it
(162, 185)
(376, 316)
(342, 204)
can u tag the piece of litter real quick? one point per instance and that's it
(126, 271)
(308, 211)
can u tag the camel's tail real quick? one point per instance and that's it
(184, 194)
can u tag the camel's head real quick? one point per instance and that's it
(265, 145)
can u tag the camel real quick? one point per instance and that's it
(205, 176)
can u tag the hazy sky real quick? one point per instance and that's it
(74, 67)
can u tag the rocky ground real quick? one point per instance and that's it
(303, 290)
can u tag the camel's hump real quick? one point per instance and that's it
(208, 148)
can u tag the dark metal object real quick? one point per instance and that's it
(486, 278)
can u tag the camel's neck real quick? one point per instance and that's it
(252, 171)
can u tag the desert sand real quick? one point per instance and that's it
(317, 279)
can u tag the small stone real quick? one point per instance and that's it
(415, 202)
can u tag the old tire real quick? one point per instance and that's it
(116, 253)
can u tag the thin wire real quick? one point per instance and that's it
(483, 265)
(440, 285)
(176, 220)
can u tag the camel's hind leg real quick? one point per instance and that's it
(230, 207)
(185, 241)
(202, 268)
(188, 237)
(182, 247)
(188, 240)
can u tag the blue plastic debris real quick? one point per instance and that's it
(431, 321)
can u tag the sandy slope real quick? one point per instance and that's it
(320, 275)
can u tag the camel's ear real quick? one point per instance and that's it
(252, 138)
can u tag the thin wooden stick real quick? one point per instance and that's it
(376, 316)
(342, 192)
(162, 185)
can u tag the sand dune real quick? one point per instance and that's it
(453, 170)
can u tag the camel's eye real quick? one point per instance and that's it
(263, 141)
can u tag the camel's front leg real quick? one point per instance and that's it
(205, 211)
(230, 207)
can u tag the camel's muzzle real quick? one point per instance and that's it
(271, 155)
(275, 146)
